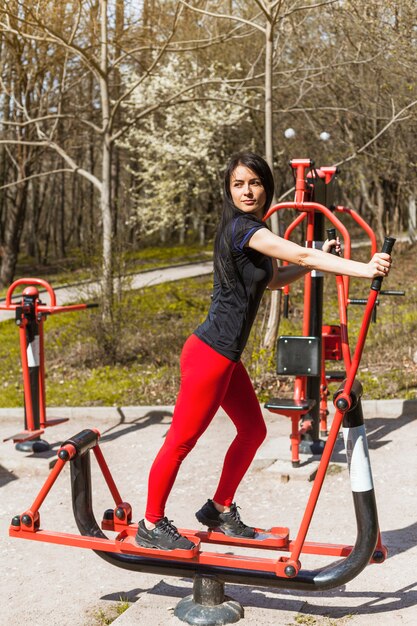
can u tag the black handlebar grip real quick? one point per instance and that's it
(386, 247)
(331, 234)
(286, 305)
(92, 305)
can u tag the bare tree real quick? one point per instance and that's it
(85, 38)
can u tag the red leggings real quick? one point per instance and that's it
(208, 381)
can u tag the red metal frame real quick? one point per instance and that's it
(27, 525)
(40, 312)
(276, 539)
(302, 203)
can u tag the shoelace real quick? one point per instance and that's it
(236, 517)
(167, 527)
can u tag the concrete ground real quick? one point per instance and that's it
(44, 584)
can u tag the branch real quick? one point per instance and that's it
(127, 93)
(227, 17)
(285, 194)
(23, 180)
(381, 132)
(169, 102)
(263, 8)
(307, 7)
(53, 116)
(51, 144)
(54, 38)
(183, 45)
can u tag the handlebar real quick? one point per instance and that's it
(387, 247)
(33, 294)
(391, 292)
(30, 281)
(331, 234)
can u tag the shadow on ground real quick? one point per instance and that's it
(370, 603)
(119, 429)
(6, 476)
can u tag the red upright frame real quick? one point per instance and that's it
(36, 312)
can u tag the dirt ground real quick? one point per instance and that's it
(44, 584)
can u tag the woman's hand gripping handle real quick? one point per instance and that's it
(386, 248)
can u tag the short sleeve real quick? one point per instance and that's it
(243, 227)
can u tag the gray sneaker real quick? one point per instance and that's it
(164, 536)
(228, 523)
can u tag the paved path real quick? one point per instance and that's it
(71, 294)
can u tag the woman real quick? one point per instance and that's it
(212, 374)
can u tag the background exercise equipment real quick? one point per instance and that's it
(30, 314)
(305, 356)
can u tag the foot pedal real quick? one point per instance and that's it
(127, 544)
(25, 435)
(56, 421)
(276, 537)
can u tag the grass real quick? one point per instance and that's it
(306, 619)
(104, 617)
(302, 619)
(156, 321)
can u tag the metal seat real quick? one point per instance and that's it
(289, 404)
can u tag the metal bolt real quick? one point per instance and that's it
(119, 513)
(290, 571)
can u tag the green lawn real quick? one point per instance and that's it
(156, 321)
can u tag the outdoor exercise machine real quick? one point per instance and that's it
(30, 315)
(208, 604)
(305, 356)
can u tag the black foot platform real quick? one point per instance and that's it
(289, 404)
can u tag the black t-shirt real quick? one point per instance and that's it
(234, 307)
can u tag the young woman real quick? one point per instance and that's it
(212, 374)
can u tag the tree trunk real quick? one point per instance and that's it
(106, 169)
(272, 325)
(202, 233)
(106, 214)
(412, 224)
(13, 233)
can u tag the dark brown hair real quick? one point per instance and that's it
(222, 243)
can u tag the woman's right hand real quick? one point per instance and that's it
(334, 244)
(379, 265)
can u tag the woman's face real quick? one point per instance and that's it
(248, 193)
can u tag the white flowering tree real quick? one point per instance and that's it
(178, 153)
